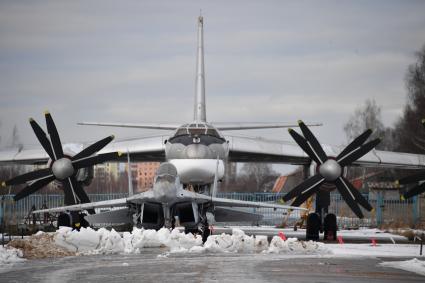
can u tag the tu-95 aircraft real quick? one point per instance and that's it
(198, 150)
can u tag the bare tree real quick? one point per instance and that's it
(410, 132)
(366, 117)
(258, 177)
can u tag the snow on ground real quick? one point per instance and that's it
(359, 234)
(65, 242)
(380, 250)
(9, 255)
(413, 265)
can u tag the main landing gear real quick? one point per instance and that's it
(317, 224)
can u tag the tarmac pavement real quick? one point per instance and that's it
(154, 265)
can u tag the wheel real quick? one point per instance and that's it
(330, 227)
(313, 227)
(64, 219)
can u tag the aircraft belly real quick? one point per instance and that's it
(198, 171)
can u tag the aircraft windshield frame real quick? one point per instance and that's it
(196, 130)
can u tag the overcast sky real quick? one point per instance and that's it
(134, 61)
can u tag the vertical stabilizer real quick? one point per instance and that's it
(200, 112)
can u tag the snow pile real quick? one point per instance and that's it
(9, 255)
(102, 241)
(413, 265)
(294, 246)
(175, 240)
(39, 245)
(238, 242)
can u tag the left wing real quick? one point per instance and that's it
(244, 149)
(140, 149)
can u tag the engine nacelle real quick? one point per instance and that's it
(187, 213)
(151, 216)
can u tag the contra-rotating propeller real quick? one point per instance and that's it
(63, 168)
(414, 179)
(330, 170)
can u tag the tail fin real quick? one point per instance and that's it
(200, 112)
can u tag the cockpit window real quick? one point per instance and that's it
(181, 132)
(212, 132)
(197, 130)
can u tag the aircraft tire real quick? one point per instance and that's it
(313, 227)
(330, 227)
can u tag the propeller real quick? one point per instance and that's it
(330, 170)
(63, 168)
(413, 179)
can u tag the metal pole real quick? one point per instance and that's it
(2, 234)
(422, 243)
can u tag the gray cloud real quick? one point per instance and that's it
(134, 61)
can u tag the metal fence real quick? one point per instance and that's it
(407, 212)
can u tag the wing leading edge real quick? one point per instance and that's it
(245, 149)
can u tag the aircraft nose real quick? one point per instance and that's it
(197, 151)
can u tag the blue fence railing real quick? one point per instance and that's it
(386, 211)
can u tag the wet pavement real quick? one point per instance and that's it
(152, 266)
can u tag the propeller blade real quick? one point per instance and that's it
(81, 194)
(90, 150)
(359, 152)
(357, 142)
(54, 136)
(357, 195)
(304, 145)
(305, 186)
(42, 138)
(70, 193)
(93, 160)
(348, 197)
(303, 197)
(415, 191)
(412, 178)
(312, 141)
(30, 176)
(32, 188)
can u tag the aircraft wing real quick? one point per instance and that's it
(32, 155)
(121, 202)
(224, 202)
(140, 149)
(228, 126)
(155, 126)
(84, 206)
(245, 149)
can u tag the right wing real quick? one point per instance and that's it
(229, 126)
(245, 149)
